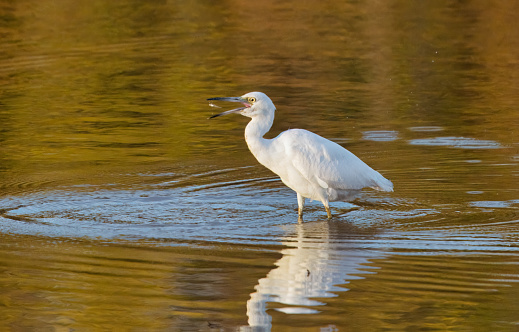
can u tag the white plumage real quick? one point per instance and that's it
(309, 164)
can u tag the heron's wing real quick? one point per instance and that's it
(329, 164)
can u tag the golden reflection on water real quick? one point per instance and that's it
(80, 284)
(83, 284)
(105, 144)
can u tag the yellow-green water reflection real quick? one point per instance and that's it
(122, 206)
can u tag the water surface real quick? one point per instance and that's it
(123, 206)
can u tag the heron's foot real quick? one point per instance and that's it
(299, 215)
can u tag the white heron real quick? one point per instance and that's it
(309, 164)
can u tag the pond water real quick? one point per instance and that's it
(123, 207)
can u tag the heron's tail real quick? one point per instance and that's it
(382, 184)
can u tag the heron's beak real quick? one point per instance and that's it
(231, 99)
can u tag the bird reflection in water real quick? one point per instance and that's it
(318, 259)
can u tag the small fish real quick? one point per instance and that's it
(213, 105)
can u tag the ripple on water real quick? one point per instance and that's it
(224, 212)
(205, 206)
(491, 204)
(426, 128)
(380, 135)
(457, 142)
(225, 205)
(16, 186)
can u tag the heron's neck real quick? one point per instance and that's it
(254, 132)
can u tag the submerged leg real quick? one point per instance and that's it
(301, 205)
(328, 212)
(327, 208)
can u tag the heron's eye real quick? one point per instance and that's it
(251, 99)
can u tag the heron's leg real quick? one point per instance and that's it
(327, 207)
(301, 205)
(328, 212)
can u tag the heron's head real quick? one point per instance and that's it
(255, 103)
